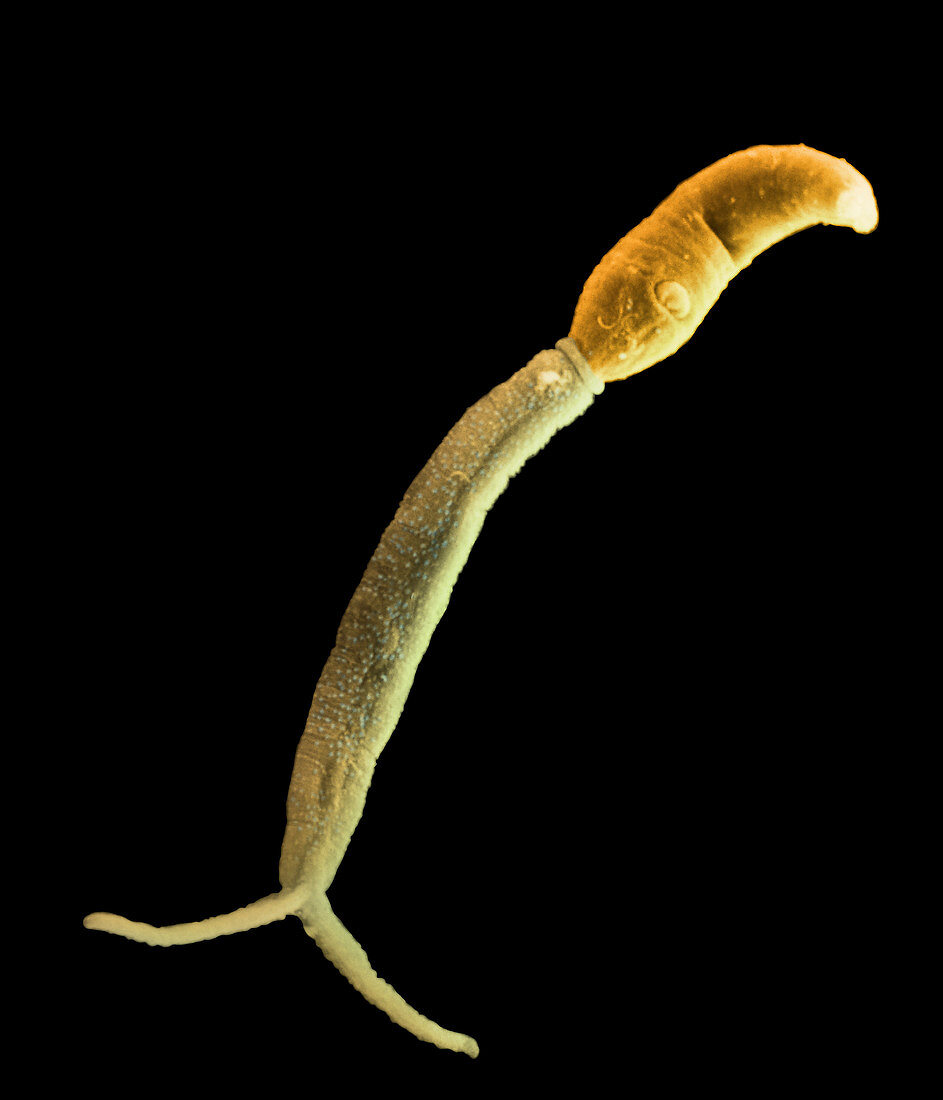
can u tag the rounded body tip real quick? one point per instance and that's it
(858, 208)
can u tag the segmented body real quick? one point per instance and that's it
(399, 601)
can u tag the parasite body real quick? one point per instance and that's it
(644, 300)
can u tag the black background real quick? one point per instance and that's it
(631, 819)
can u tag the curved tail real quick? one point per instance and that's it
(264, 911)
(340, 948)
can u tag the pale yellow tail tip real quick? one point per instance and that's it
(857, 207)
(133, 930)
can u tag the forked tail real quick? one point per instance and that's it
(340, 948)
(338, 945)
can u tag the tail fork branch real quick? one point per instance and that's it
(264, 911)
(340, 948)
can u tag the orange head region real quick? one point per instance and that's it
(649, 293)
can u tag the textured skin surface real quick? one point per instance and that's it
(644, 299)
(396, 606)
(757, 197)
(651, 291)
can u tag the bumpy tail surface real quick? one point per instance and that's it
(340, 948)
(264, 911)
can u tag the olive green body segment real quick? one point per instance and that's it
(384, 634)
(380, 642)
(405, 589)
